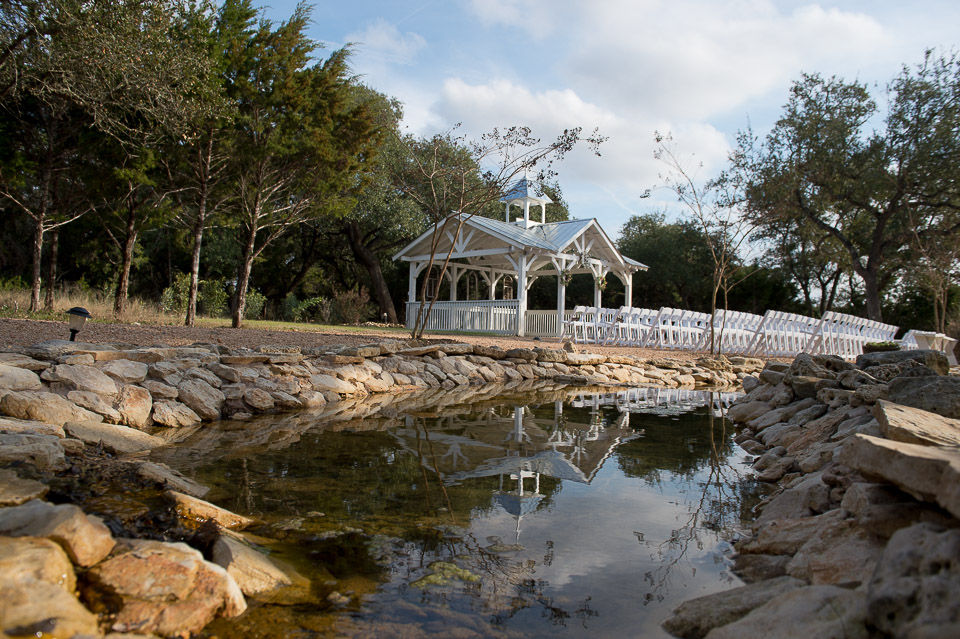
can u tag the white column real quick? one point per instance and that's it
(454, 278)
(521, 294)
(561, 303)
(412, 290)
(628, 290)
(596, 291)
(526, 214)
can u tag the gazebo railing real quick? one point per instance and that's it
(543, 323)
(477, 316)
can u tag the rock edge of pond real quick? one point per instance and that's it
(75, 418)
(862, 537)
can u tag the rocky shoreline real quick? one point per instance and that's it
(75, 419)
(863, 537)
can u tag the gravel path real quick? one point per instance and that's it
(15, 333)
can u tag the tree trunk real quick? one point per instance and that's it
(243, 279)
(37, 256)
(120, 299)
(368, 259)
(52, 267)
(871, 291)
(194, 271)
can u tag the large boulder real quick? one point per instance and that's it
(43, 451)
(84, 537)
(15, 378)
(164, 588)
(125, 371)
(940, 395)
(38, 604)
(202, 398)
(928, 473)
(15, 490)
(913, 592)
(199, 511)
(253, 571)
(841, 554)
(29, 559)
(816, 611)
(696, 617)
(113, 437)
(44, 407)
(931, 359)
(134, 403)
(81, 377)
(915, 426)
(173, 414)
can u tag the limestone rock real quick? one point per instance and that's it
(24, 560)
(771, 377)
(54, 348)
(825, 612)
(800, 500)
(903, 368)
(368, 350)
(43, 451)
(253, 571)
(742, 412)
(134, 404)
(928, 473)
(226, 373)
(81, 377)
(931, 359)
(323, 382)
(913, 591)
(17, 379)
(125, 371)
(841, 553)
(787, 536)
(159, 390)
(696, 617)
(258, 399)
(96, 403)
(15, 491)
(173, 414)
(202, 398)
(113, 437)
(915, 426)
(44, 606)
(198, 510)
(44, 407)
(165, 588)
(172, 479)
(754, 568)
(30, 427)
(940, 395)
(804, 386)
(18, 360)
(84, 537)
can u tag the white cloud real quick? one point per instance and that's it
(383, 42)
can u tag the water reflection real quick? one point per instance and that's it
(558, 512)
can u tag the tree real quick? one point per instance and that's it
(120, 66)
(822, 166)
(452, 178)
(299, 140)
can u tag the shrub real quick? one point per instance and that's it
(255, 303)
(213, 297)
(174, 297)
(352, 306)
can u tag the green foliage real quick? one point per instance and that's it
(295, 310)
(174, 297)
(255, 304)
(213, 297)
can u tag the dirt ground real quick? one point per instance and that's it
(16, 333)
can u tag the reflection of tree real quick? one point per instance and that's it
(699, 455)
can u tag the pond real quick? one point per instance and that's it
(536, 515)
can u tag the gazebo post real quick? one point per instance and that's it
(521, 294)
(561, 304)
(454, 272)
(596, 291)
(628, 290)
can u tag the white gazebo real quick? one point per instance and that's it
(507, 257)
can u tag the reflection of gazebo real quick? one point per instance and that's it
(518, 449)
(523, 250)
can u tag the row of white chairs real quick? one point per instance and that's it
(774, 334)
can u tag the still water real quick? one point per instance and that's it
(557, 514)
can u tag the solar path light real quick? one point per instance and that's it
(78, 317)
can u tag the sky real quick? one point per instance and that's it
(700, 70)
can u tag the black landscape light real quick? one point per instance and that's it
(78, 316)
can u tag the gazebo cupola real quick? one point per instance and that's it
(523, 193)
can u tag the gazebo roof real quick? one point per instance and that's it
(526, 189)
(488, 242)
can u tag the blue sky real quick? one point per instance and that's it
(700, 69)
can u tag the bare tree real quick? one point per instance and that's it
(715, 206)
